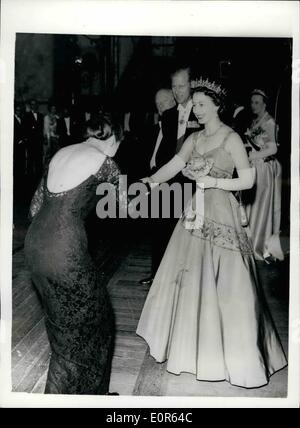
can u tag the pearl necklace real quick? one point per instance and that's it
(213, 133)
(256, 122)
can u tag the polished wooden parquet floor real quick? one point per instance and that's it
(134, 371)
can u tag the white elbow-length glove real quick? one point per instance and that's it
(245, 180)
(166, 172)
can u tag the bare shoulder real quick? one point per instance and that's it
(188, 146)
(233, 141)
(269, 124)
(85, 157)
(270, 119)
(194, 137)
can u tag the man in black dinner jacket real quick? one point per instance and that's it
(33, 130)
(177, 124)
(19, 151)
(69, 128)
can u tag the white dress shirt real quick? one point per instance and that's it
(158, 141)
(183, 117)
(67, 122)
(238, 110)
(18, 119)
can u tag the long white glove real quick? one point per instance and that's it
(169, 170)
(245, 181)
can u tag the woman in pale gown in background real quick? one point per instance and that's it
(205, 312)
(263, 202)
(50, 134)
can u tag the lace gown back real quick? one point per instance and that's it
(205, 312)
(78, 313)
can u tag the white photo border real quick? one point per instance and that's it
(156, 18)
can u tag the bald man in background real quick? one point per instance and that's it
(164, 100)
(177, 123)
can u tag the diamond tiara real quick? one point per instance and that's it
(201, 83)
(259, 92)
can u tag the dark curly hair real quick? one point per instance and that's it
(103, 125)
(217, 99)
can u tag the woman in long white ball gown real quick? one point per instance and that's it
(206, 313)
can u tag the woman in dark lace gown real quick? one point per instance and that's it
(78, 313)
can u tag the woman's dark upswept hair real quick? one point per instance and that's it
(217, 99)
(103, 125)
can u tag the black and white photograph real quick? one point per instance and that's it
(150, 204)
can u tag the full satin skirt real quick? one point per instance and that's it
(206, 313)
(264, 207)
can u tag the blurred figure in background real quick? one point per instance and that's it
(67, 128)
(133, 156)
(263, 204)
(177, 124)
(164, 100)
(19, 154)
(33, 132)
(241, 117)
(51, 142)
